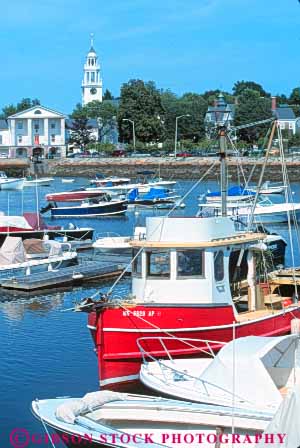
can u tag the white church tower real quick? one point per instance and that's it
(92, 82)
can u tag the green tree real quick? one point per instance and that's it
(105, 113)
(107, 95)
(81, 132)
(252, 107)
(211, 95)
(189, 128)
(25, 103)
(192, 127)
(240, 86)
(294, 97)
(141, 103)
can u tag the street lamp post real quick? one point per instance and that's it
(133, 130)
(176, 131)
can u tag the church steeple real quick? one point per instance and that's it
(92, 82)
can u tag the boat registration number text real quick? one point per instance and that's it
(142, 313)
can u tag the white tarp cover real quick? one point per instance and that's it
(261, 365)
(286, 421)
(68, 411)
(14, 221)
(12, 251)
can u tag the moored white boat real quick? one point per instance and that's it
(67, 181)
(264, 212)
(111, 242)
(43, 181)
(269, 188)
(19, 259)
(208, 378)
(106, 418)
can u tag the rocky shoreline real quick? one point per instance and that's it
(190, 168)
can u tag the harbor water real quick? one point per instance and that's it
(46, 351)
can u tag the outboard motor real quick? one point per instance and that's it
(47, 208)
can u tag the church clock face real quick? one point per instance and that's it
(93, 91)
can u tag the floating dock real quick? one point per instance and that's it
(88, 271)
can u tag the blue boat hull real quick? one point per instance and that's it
(92, 210)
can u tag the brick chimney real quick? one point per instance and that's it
(274, 105)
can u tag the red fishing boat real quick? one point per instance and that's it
(73, 195)
(181, 288)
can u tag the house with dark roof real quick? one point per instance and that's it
(220, 112)
(286, 117)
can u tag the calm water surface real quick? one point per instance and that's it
(45, 351)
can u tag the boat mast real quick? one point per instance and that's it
(223, 161)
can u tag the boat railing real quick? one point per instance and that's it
(209, 348)
(107, 235)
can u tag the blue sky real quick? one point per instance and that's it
(184, 45)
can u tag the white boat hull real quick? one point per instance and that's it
(11, 184)
(38, 182)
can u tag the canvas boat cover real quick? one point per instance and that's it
(12, 251)
(285, 422)
(36, 222)
(67, 412)
(232, 191)
(14, 221)
(34, 246)
(260, 366)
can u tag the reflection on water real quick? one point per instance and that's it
(46, 351)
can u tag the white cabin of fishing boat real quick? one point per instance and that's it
(186, 260)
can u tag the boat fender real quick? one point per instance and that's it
(287, 302)
(295, 326)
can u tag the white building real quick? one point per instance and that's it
(34, 131)
(92, 82)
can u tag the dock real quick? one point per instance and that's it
(76, 275)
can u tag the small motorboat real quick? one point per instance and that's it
(38, 182)
(91, 208)
(10, 183)
(106, 418)
(269, 188)
(155, 197)
(67, 181)
(208, 378)
(115, 243)
(112, 181)
(18, 258)
(32, 225)
(265, 212)
(234, 194)
(77, 195)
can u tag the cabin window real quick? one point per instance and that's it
(137, 263)
(158, 264)
(219, 265)
(190, 263)
(20, 124)
(92, 76)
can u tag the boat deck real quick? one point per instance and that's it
(73, 275)
(250, 315)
